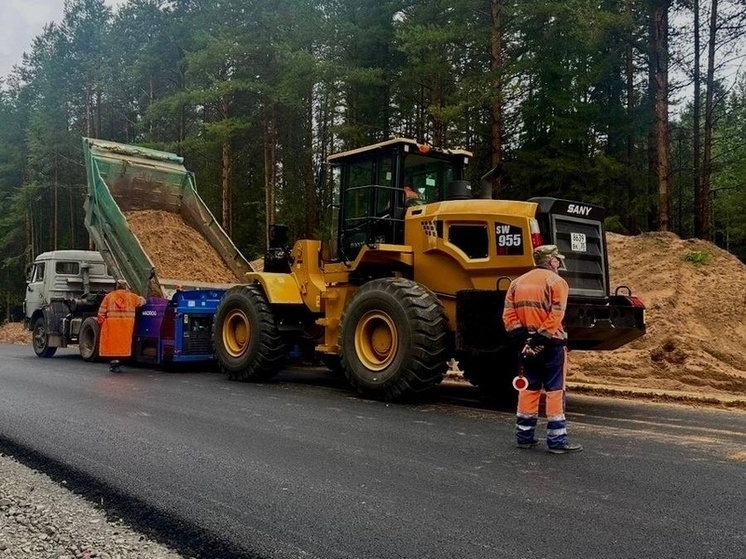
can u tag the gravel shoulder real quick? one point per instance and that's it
(41, 519)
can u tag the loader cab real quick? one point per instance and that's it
(370, 183)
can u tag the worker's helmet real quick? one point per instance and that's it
(545, 253)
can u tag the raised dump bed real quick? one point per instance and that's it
(151, 227)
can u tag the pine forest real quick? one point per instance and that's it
(636, 105)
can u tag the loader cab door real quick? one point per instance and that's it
(368, 202)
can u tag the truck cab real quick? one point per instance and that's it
(64, 288)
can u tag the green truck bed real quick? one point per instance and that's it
(124, 178)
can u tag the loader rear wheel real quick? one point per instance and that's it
(88, 339)
(394, 339)
(40, 339)
(248, 343)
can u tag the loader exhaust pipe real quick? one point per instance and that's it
(488, 181)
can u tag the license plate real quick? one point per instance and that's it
(578, 242)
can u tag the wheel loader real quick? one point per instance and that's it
(398, 295)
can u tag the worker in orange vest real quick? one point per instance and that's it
(116, 317)
(534, 310)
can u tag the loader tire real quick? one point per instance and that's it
(88, 339)
(394, 339)
(248, 343)
(40, 339)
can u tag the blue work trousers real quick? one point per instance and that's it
(544, 371)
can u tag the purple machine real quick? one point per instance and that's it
(177, 330)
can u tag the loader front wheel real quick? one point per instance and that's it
(40, 339)
(248, 343)
(394, 339)
(88, 339)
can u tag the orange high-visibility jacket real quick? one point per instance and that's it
(116, 315)
(537, 301)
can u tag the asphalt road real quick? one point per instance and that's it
(299, 467)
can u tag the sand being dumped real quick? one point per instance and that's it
(695, 294)
(178, 251)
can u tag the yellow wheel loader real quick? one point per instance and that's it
(397, 293)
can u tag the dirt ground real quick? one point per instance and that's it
(695, 346)
(178, 251)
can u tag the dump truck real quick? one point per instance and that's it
(123, 179)
(397, 295)
(175, 324)
(65, 288)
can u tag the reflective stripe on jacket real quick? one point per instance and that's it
(537, 301)
(116, 315)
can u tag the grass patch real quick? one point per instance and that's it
(697, 257)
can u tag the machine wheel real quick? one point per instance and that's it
(88, 339)
(394, 339)
(41, 339)
(248, 343)
(493, 375)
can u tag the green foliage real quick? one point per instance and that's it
(256, 93)
(697, 257)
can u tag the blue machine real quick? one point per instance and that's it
(178, 330)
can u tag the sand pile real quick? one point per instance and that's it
(695, 294)
(178, 251)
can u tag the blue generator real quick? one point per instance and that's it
(176, 330)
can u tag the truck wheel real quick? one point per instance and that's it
(40, 339)
(88, 339)
(248, 343)
(394, 339)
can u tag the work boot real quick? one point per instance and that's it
(114, 367)
(529, 444)
(565, 448)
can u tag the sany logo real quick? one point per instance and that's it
(578, 209)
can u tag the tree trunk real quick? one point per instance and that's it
(56, 206)
(225, 187)
(99, 116)
(270, 168)
(496, 66)
(312, 201)
(706, 201)
(632, 225)
(658, 147)
(700, 218)
(225, 174)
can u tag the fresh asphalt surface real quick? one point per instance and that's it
(299, 467)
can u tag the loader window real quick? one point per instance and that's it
(471, 238)
(357, 202)
(429, 176)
